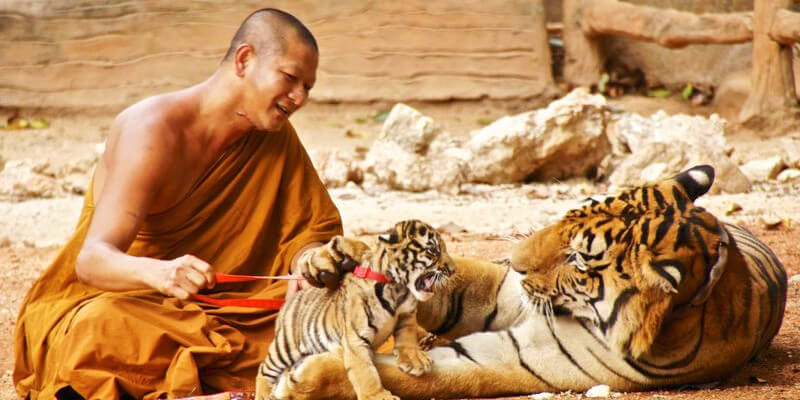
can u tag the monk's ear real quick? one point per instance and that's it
(243, 56)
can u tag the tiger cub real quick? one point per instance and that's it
(361, 314)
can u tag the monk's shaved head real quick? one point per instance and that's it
(268, 30)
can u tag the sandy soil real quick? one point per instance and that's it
(478, 223)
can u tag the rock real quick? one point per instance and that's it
(790, 147)
(451, 228)
(409, 129)
(413, 153)
(771, 222)
(100, 148)
(566, 139)
(599, 391)
(763, 170)
(662, 145)
(788, 175)
(732, 207)
(19, 180)
(794, 279)
(541, 396)
(4, 242)
(336, 168)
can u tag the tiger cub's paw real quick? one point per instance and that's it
(324, 266)
(382, 395)
(413, 361)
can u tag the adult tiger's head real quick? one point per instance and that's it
(623, 262)
(413, 253)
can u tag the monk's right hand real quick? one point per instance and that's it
(185, 276)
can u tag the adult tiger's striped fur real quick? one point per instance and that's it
(638, 291)
(361, 314)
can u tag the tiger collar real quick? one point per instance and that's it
(367, 273)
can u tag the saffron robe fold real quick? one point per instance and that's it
(250, 213)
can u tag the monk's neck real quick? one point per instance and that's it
(217, 122)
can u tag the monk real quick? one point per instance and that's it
(207, 179)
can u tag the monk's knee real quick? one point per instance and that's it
(98, 312)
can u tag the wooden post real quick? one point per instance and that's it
(583, 59)
(771, 107)
(540, 37)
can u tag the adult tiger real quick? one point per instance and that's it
(636, 291)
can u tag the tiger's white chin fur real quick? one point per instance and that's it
(421, 295)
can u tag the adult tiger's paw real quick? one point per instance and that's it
(382, 395)
(324, 266)
(413, 361)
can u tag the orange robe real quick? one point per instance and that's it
(256, 207)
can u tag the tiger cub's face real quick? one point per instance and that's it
(413, 253)
(621, 262)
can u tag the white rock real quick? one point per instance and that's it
(409, 129)
(336, 168)
(100, 148)
(794, 278)
(762, 170)
(413, 153)
(661, 146)
(789, 175)
(599, 391)
(566, 139)
(542, 395)
(19, 180)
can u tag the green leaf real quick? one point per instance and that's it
(485, 121)
(40, 124)
(381, 115)
(601, 85)
(361, 120)
(659, 93)
(687, 91)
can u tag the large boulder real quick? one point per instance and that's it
(413, 153)
(663, 145)
(566, 139)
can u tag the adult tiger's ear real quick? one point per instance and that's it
(696, 181)
(390, 238)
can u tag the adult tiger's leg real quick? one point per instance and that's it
(480, 365)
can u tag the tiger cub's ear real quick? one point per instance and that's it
(390, 238)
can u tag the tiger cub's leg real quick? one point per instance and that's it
(410, 357)
(262, 385)
(357, 352)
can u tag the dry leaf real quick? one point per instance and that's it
(732, 208)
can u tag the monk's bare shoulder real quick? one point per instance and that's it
(149, 123)
(143, 145)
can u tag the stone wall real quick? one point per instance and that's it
(114, 52)
(110, 53)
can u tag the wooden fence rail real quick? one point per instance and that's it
(771, 107)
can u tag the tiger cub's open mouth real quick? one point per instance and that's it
(427, 281)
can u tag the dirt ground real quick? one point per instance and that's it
(479, 223)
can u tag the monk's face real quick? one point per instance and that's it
(278, 85)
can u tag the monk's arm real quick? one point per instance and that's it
(134, 170)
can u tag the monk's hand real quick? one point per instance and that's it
(185, 276)
(324, 266)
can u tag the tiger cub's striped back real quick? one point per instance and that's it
(361, 314)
